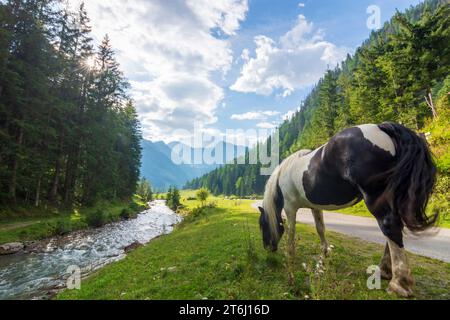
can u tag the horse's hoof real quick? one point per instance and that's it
(401, 288)
(326, 250)
(291, 278)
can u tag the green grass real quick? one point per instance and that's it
(219, 255)
(28, 224)
(359, 209)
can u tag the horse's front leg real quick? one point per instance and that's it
(320, 227)
(291, 215)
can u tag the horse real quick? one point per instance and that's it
(387, 165)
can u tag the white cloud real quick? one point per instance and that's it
(301, 5)
(297, 60)
(174, 102)
(266, 125)
(223, 14)
(169, 53)
(289, 115)
(254, 115)
(245, 56)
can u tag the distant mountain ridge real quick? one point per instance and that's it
(158, 167)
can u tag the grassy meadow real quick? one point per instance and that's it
(216, 253)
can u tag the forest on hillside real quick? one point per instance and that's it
(69, 132)
(387, 79)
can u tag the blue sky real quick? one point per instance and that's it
(343, 23)
(228, 64)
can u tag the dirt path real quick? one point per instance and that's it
(16, 225)
(435, 246)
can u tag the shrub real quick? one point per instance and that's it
(440, 200)
(136, 207)
(63, 226)
(202, 195)
(144, 190)
(112, 217)
(211, 205)
(173, 198)
(96, 218)
(442, 185)
(127, 213)
(197, 212)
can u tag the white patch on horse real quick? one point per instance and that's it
(292, 186)
(378, 137)
(304, 167)
(324, 149)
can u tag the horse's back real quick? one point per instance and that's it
(359, 153)
(336, 174)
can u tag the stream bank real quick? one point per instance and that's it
(40, 273)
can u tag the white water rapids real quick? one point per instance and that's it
(30, 275)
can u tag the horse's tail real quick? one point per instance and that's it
(273, 204)
(412, 179)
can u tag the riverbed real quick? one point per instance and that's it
(38, 275)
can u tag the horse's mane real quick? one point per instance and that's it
(270, 200)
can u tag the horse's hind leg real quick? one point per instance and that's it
(386, 264)
(320, 227)
(402, 281)
(391, 225)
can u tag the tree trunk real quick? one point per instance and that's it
(67, 198)
(74, 154)
(54, 190)
(55, 183)
(429, 101)
(38, 192)
(71, 175)
(14, 168)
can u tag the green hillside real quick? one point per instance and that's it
(386, 79)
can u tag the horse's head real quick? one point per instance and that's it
(270, 238)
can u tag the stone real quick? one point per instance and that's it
(11, 248)
(35, 247)
(132, 247)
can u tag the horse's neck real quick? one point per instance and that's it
(291, 173)
(298, 160)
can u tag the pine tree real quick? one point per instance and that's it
(68, 131)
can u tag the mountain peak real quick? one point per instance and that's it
(158, 166)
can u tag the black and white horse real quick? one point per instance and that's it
(387, 165)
